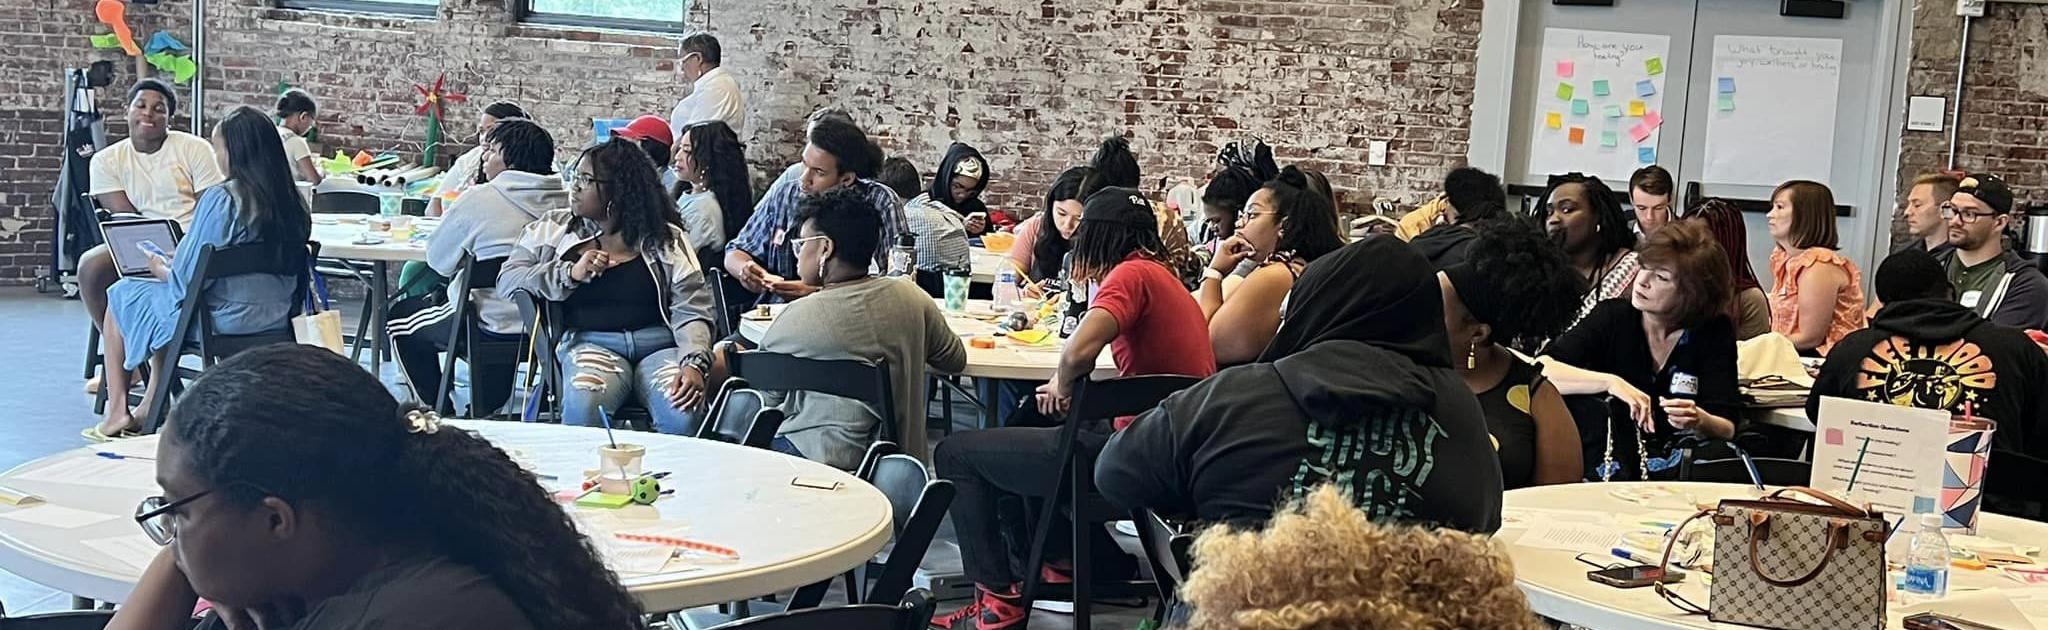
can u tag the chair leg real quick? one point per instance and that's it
(853, 586)
(92, 350)
(1038, 535)
(1081, 557)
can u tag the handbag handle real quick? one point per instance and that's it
(1664, 564)
(1757, 526)
(1844, 506)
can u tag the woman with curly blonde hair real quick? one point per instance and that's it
(1322, 563)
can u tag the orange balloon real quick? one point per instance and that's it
(115, 14)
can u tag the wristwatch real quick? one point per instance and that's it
(699, 360)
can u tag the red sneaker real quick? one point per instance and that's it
(1001, 611)
(1058, 572)
(971, 611)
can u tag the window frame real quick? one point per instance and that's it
(369, 7)
(527, 15)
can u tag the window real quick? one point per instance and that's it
(423, 8)
(645, 15)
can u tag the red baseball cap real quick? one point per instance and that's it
(646, 127)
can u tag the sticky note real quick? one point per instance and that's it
(1639, 133)
(1727, 103)
(1645, 88)
(1578, 135)
(1581, 107)
(1608, 138)
(1564, 91)
(1600, 87)
(1654, 66)
(1727, 85)
(1636, 108)
(1565, 68)
(1646, 155)
(1653, 119)
(1612, 111)
(1554, 120)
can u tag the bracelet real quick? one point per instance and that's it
(1210, 273)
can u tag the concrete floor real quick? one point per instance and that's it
(44, 407)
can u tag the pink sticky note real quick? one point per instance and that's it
(1834, 437)
(1565, 68)
(1640, 132)
(1653, 119)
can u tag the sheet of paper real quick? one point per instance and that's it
(1571, 536)
(632, 557)
(1564, 91)
(134, 550)
(1653, 66)
(1580, 107)
(1604, 64)
(1646, 88)
(1794, 83)
(2032, 603)
(1525, 517)
(1600, 87)
(60, 517)
(126, 474)
(1565, 67)
(1578, 135)
(1894, 454)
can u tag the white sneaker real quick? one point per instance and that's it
(1127, 528)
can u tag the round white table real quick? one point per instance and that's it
(1009, 360)
(349, 238)
(1556, 583)
(737, 497)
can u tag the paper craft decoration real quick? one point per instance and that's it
(1608, 138)
(181, 67)
(1646, 155)
(1645, 88)
(430, 106)
(1727, 85)
(1636, 109)
(1555, 121)
(1794, 83)
(1600, 87)
(1640, 132)
(114, 14)
(1727, 103)
(1564, 91)
(1581, 107)
(1654, 66)
(106, 41)
(1565, 68)
(1653, 119)
(163, 41)
(1612, 111)
(1578, 135)
(1962, 478)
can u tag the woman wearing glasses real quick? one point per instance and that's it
(298, 494)
(1284, 227)
(631, 295)
(1816, 293)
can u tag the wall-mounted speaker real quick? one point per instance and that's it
(1831, 9)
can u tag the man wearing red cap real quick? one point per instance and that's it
(653, 136)
(714, 93)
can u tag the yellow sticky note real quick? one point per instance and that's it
(1578, 135)
(1554, 120)
(1636, 108)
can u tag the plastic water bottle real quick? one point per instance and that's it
(1005, 290)
(1927, 563)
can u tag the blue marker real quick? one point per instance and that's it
(607, 417)
(120, 456)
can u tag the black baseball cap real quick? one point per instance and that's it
(1119, 205)
(1989, 189)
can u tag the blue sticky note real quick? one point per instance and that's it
(1727, 85)
(1581, 107)
(1646, 155)
(1600, 87)
(1645, 88)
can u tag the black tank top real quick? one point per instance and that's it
(1508, 418)
(623, 298)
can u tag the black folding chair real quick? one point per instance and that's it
(914, 613)
(1166, 551)
(354, 202)
(466, 337)
(738, 416)
(1770, 471)
(546, 336)
(1094, 401)
(918, 503)
(345, 202)
(845, 378)
(95, 356)
(68, 620)
(194, 326)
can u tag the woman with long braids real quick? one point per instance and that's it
(298, 494)
(634, 301)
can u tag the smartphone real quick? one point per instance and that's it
(1637, 576)
(1938, 621)
(150, 248)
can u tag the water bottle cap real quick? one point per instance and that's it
(1930, 519)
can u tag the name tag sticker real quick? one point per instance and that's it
(1970, 298)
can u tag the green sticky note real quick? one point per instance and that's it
(1609, 138)
(1655, 65)
(1600, 87)
(1611, 111)
(108, 40)
(1581, 107)
(1564, 91)
(1727, 102)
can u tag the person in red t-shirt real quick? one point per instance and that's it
(1143, 314)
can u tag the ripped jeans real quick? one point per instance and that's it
(609, 368)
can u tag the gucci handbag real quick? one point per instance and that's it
(1780, 562)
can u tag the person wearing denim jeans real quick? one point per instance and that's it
(611, 369)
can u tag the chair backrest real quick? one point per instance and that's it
(344, 202)
(1166, 549)
(1771, 470)
(717, 279)
(740, 416)
(914, 612)
(1124, 396)
(901, 478)
(68, 620)
(917, 523)
(876, 451)
(846, 378)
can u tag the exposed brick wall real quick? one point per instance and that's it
(1034, 85)
(2004, 128)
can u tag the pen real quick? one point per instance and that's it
(120, 456)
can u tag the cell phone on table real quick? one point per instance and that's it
(1938, 621)
(1637, 576)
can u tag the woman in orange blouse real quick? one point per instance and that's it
(1816, 293)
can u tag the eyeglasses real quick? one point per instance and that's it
(798, 243)
(582, 181)
(1950, 211)
(152, 512)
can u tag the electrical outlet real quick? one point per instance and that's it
(1376, 153)
(1970, 8)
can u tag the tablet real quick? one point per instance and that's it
(133, 241)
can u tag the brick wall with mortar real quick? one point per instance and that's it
(1033, 84)
(2004, 128)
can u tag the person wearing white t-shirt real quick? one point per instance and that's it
(714, 93)
(295, 109)
(464, 172)
(156, 172)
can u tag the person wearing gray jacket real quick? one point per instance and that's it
(518, 164)
(632, 298)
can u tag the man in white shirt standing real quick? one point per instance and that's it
(714, 94)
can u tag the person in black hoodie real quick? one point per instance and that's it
(1926, 350)
(1405, 440)
(1474, 195)
(957, 185)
